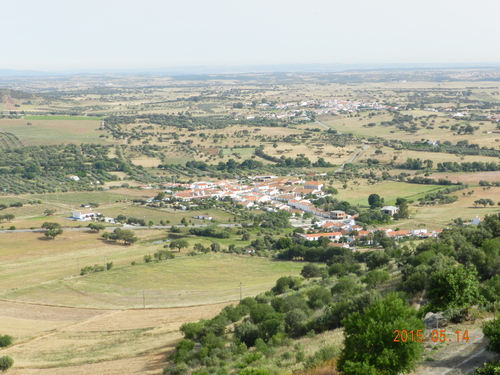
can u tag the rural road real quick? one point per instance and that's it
(324, 126)
(113, 228)
(353, 157)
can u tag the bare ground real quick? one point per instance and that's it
(455, 358)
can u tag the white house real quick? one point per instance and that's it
(389, 210)
(84, 215)
(313, 185)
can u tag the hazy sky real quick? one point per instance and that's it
(123, 34)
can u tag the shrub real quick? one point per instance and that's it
(5, 341)
(310, 270)
(492, 368)
(6, 362)
(491, 330)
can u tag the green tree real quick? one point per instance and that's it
(125, 235)
(375, 201)
(97, 227)
(403, 212)
(160, 196)
(453, 287)
(52, 233)
(9, 217)
(49, 226)
(369, 344)
(178, 244)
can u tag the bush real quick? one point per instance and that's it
(6, 363)
(318, 297)
(492, 368)
(286, 282)
(491, 330)
(177, 370)
(5, 341)
(310, 270)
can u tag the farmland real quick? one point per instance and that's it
(131, 151)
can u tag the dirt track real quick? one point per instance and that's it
(458, 358)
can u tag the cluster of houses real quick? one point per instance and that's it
(273, 194)
(276, 194)
(347, 233)
(318, 107)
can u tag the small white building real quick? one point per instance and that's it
(84, 215)
(389, 210)
(313, 185)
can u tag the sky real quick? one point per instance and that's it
(55, 35)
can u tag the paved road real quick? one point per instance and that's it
(353, 157)
(323, 125)
(126, 226)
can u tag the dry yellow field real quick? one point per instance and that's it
(75, 341)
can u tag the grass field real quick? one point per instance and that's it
(71, 341)
(436, 157)
(245, 151)
(175, 216)
(356, 126)
(442, 215)
(390, 191)
(46, 132)
(169, 283)
(34, 269)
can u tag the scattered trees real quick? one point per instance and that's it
(484, 202)
(125, 235)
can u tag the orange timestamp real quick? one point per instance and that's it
(435, 336)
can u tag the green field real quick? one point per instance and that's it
(239, 151)
(169, 283)
(389, 190)
(48, 132)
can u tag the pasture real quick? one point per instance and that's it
(50, 132)
(388, 154)
(170, 283)
(58, 340)
(358, 126)
(36, 270)
(389, 190)
(64, 323)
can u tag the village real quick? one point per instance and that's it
(270, 193)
